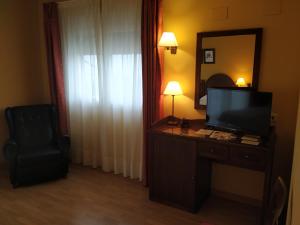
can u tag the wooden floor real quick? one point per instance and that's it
(91, 197)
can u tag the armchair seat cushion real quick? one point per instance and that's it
(40, 156)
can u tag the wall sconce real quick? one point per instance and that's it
(168, 40)
(241, 82)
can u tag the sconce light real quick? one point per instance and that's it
(168, 40)
(241, 82)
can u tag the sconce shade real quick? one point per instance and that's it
(168, 39)
(173, 88)
(241, 82)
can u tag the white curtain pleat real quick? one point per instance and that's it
(102, 62)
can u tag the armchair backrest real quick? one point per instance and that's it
(32, 126)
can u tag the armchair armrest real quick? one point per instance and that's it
(10, 150)
(64, 144)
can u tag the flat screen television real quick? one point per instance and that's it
(242, 110)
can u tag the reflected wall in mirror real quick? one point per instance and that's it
(236, 58)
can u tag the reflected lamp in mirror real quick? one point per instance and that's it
(241, 82)
(168, 40)
(173, 88)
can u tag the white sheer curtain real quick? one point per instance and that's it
(103, 76)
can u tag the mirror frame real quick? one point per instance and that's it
(200, 84)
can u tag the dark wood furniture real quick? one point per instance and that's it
(219, 80)
(180, 163)
(200, 86)
(35, 150)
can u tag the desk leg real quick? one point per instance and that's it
(267, 187)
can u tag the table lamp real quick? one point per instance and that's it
(173, 88)
(241, 82)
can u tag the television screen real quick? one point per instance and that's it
(242, 110)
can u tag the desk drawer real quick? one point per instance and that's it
(213, 151)
(248, 158)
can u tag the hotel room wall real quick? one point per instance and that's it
(21, 80)
(279, 70)
(293, 218)
(24, 80)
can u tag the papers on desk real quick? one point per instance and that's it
(219, 135)
(247, 142)
(251, 140)
(204, 132)
(251, 137)
(224, 136)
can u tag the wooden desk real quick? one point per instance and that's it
(180, 163)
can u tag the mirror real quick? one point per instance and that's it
(227, 59)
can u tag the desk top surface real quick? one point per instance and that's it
(194, 125)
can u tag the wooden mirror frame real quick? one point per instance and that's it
(200, 84)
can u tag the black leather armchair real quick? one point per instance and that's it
(35, 151)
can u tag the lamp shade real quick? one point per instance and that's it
(168, 39)
(241, 82)
(173, 88)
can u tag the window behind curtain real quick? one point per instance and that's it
(102, 62)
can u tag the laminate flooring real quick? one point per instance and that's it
(91, 197)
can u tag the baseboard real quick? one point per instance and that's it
(237, 198)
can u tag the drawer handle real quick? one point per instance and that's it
(246, 156)
(212, 150)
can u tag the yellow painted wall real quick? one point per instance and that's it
(280, 72)
(293, 217)
(21, 81)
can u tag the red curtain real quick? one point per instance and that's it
(152, 61)
(55, 67)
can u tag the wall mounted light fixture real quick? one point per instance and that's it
(168, 40)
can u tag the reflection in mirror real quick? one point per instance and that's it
(226, 59)
(234, 56)
(216, 80)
